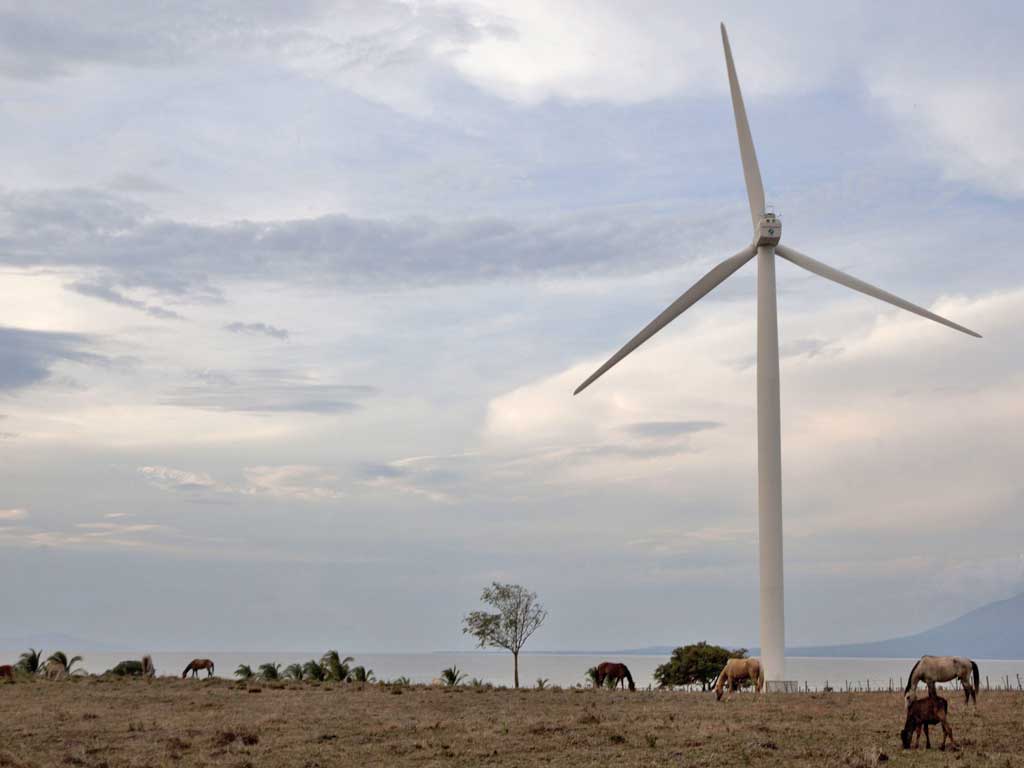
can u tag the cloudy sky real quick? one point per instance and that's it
(293, 297)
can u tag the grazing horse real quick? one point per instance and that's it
(924, 712)
(55, 670)
(941, 669)
(7, 671)
(619, 673)
(737, 670)
(195, 665)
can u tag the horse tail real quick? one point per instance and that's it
(911, 678)
(977, 679)
(760, 676)
(211, 666)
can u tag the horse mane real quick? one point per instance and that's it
(911, 677)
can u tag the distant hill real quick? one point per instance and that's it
(994, 631)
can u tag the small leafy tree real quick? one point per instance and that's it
(696, 664)
(60, 658)
(31, 661)
(518, 614)
(270, 671)
(452, 676)
(294, 671)
(336, 667)
(244, 672)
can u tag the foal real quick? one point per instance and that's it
(924, 712)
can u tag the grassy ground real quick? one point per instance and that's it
(95, 722)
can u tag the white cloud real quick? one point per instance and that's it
(13, 514)
(170, 478)
(296, 481)
(892, 418)
(301, 482)
(967, 126)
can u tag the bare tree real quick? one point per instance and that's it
(518, 615)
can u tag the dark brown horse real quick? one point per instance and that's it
(195, 665)
(924, 712)
(619, 673)
(6, 670)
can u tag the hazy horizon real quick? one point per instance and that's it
(294, 298)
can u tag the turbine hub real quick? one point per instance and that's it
(769, 230)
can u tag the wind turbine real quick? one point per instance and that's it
(765, 245)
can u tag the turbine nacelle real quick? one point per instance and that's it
(769, 230)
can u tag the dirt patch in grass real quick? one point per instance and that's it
(217, 723)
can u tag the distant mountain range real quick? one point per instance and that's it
(993, 631)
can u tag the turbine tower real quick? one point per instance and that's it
(765, 245)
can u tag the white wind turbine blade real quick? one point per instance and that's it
(830, 273)
(751, 173)
(696, 292)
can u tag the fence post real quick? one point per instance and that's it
(987, 686)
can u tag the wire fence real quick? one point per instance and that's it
(1009, 682)
(1006, 682)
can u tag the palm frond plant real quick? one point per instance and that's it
(542, 683)
(314, 670)
(295, 671)
(244, 672)
(592, 676)
(60, 658)
(452, 676)
(337, 667)
(31, 661)
(361, 675)
(270, 671)
(403, 681)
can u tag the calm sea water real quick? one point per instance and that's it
(558, 669)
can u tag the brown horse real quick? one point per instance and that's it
(6, 670)
(924, 712)
(195, 665)
(619, 673)
(737, 670)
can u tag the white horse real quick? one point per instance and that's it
(942, 669)
(55, 670)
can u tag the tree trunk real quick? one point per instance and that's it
(515, 657)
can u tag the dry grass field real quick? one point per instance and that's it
(97, 722)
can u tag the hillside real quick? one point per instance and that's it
(994, 631)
